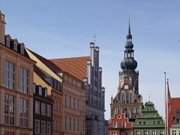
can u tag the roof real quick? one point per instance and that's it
(19, 48)
(76, 66)
(48, 63)
(41, 74)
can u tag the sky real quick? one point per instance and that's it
(64, 28)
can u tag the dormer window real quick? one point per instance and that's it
(8, 41)
(22, 49)
(14, 45)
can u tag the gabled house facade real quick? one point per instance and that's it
(73, 101)
(120, 125)
(149, 122)
(53, 76)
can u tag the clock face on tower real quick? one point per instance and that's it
(126, 87)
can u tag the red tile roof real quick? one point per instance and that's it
(76, 66)
(174, 105)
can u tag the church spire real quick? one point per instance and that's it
(129, 27)
(129, 63)
(129, 36)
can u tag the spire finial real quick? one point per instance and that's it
(129, 26)
(129, 36)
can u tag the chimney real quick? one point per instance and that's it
(2, 28)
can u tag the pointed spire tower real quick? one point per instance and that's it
(128, 100)
(129, 63)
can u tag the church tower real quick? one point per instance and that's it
(128, 100)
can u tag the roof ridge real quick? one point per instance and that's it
(67, 58)
(46, 61)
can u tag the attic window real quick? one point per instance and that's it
(8, 41)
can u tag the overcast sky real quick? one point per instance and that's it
(64, 28)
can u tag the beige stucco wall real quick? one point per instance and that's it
(39, 81)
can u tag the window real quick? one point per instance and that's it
(153, 132)
(43, 127)
(78, 125)
(161, 132)
(74, 124)
(78, 104)
(173, 132)
(48, 128)
(137, 133)
(115, 124)
(69, 123)
(23, 112)
(9, 77)
(66, 123)
(177, 121)
(48, 110)
(145, 132)
(74, 103)
(65, 100)
(37, 107)
(70, 102)
(37, 127)
(43, 108)
(24, 80)
(55, 124)
(9, 113)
